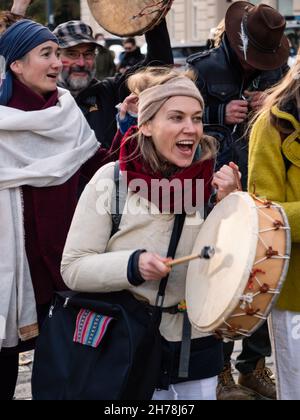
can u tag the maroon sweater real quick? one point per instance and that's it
(48, 211)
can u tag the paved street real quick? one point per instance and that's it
(24, 391)
(23, 387)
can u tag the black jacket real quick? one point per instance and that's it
(221, 80)
(130, 59)
(98, 102)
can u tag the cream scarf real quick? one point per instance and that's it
(41, 149)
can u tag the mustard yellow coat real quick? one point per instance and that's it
(267, 169)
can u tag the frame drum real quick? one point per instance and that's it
(233, 293)
(129, 17)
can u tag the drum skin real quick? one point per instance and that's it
(233, 293)
(129, 17)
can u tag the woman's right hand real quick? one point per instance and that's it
(153, 267)
(130, 104)
(227, 180)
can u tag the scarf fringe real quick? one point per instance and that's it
(29, 332)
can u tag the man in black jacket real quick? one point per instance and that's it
(251, 58)
(232, 77)
(98, 100)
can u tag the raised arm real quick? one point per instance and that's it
(159, 51)
(20, 7)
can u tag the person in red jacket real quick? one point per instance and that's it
(45, 144)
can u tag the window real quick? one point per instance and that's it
(286, 7)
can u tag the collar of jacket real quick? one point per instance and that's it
(291, 145)
(230, 54)
(232, 58)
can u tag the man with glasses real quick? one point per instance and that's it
(78, 52)
(98, 100)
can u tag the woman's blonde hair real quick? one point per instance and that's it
(219, 32)
(280, 95)
(154, 76)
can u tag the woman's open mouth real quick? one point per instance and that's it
(186, 147)
(52, 76)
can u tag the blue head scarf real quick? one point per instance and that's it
(17, 41)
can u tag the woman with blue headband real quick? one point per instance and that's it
(44, 141)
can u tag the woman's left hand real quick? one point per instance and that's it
(225, 180)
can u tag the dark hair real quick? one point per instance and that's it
(130, 41)
(7, 19)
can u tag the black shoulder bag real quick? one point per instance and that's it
(125, 366)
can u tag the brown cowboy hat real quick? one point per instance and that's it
(265, 47)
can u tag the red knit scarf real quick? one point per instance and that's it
(136, 168)
(26, 100)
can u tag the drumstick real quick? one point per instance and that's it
(207, 253)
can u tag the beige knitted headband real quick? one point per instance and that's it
(152, 99)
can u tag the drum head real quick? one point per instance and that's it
(214, 287)
(121, 17)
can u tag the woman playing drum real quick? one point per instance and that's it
(162, 148)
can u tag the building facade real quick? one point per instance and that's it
(192, 20)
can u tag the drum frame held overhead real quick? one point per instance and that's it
(126, 18)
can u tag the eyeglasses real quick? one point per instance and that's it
(75, 55)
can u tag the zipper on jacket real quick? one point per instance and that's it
(52, 307)
(66, 302)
